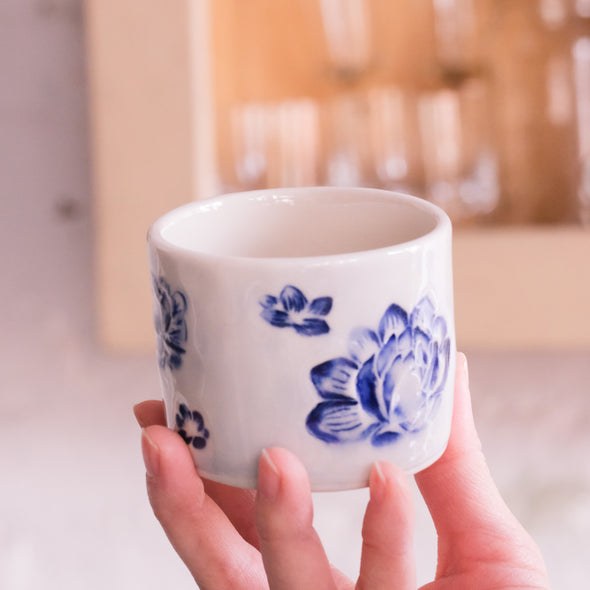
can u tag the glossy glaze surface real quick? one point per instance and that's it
(341, 355)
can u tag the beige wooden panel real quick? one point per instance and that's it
(522, 288)
(152, 150)
(141, 75)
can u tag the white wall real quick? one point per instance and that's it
(45, 221)
(73, 510)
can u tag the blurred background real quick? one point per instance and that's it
(113, 111)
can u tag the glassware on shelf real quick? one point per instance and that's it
(460, 165)
(394, 139)
(553, 12)
(581, 56)
(347, 30)
(482, 106)
(249, 134)
(582, 8)
(276, 144)
(460, 27)
(371, 139)
(535, 110)
(345, 140)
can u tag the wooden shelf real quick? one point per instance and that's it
(522, 288)
(515, 288)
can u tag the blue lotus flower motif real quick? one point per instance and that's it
(191, 427)
(390, 385)
(292, 310)
(171, 331)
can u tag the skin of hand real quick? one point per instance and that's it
(238, 539)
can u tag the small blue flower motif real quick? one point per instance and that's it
(391, 383)
(171, 330)
(191, 427)
(292, 310)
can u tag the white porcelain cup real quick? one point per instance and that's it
(315, 319)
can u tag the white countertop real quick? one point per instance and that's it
(75, 513)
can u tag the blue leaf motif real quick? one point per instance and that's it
(423, 315)
(321, 306)
(312, 327)
(276, 317)
(367, 385)
(292, 309)
(364, 344)
(332, 379)
(387, 355)
(393, 322)
(339, 421)
(190, 425)
(382, 438)
(169, 322)
(293, 299)
(391, 385)
(268, 301)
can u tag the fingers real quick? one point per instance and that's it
(238, 504)
(387, 559)
(293, 554)
(220, 556)
(461, 494)
(459, 483)
(202, 535)
(150, 412)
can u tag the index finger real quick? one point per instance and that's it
(238, 504)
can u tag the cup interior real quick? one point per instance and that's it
(293, 223)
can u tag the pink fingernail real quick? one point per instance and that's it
(378, 482)
(465, 367)
(151, 454)
(268, 477)
(139, 421)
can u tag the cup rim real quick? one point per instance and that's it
(155, 234)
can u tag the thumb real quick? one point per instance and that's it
(466, 506)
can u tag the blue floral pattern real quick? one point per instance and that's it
(191, 427)
(390, 384)
(291, 309)
(171, 330)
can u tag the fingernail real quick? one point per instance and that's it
(151, 454)
(377, 483)
(136, 416)
(465, 367)
(268, 477)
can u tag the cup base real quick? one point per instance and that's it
(252, 483)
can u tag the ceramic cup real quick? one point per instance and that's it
(315, 319)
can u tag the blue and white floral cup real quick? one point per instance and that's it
(315, 319)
